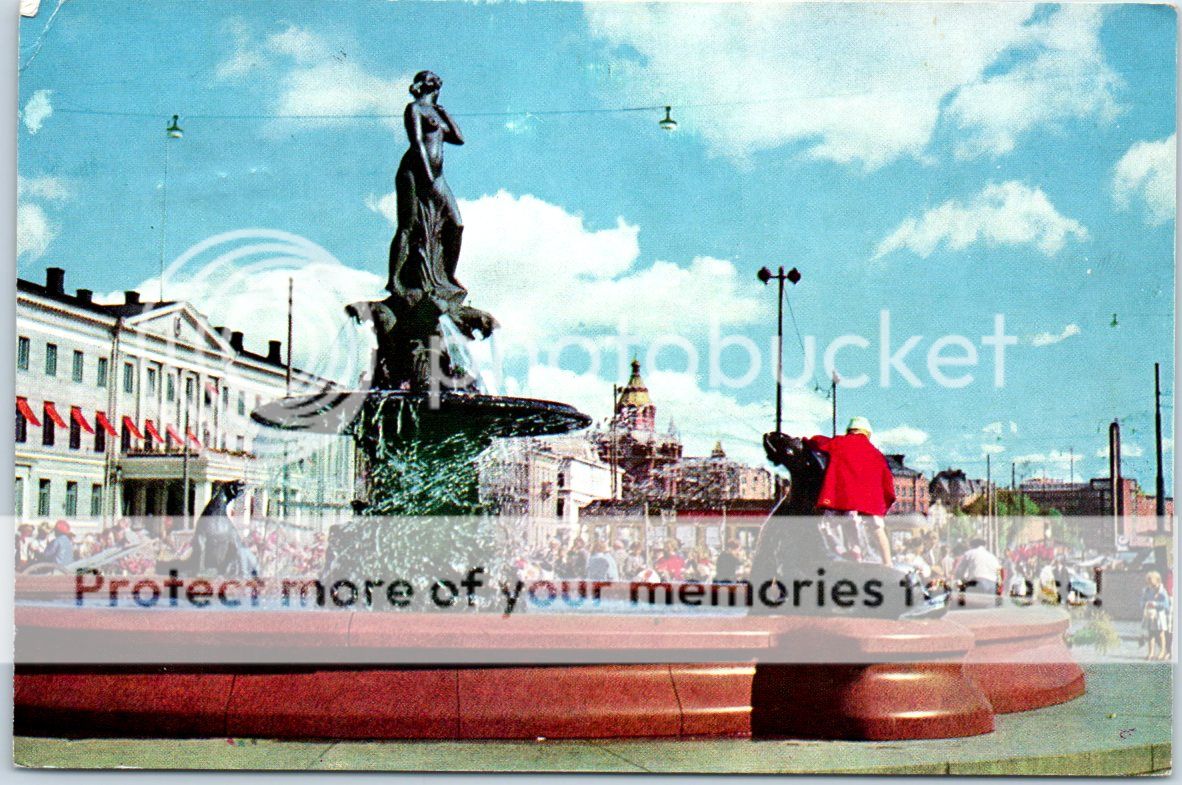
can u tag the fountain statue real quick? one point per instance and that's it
(422, 419)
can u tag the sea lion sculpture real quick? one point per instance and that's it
(217, 547)
(793, 546)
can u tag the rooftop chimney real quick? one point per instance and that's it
(85, 295)
(273, 355)
(236, 340)
(131, 297)
(55, 280)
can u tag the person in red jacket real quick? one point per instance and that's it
(858, 486)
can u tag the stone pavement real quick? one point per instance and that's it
(1121, 726)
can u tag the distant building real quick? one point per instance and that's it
(953, 490)
(648, 459)
(546, 481)
(122, 407)
(716, 479)
(912, 493)
(1134, 521)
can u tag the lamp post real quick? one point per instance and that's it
(766, 276)
(173, 131)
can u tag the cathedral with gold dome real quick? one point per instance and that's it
(648, 459)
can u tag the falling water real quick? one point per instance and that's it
(456, 344)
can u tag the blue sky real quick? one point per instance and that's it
(946, 163)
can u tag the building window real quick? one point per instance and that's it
(561, 507)
(71, 498)
(75, 433)
(240, 443)
(101, 374)
(225, 399)
(151, 382)
(76, 368)
(170, 388)
(241, 403)
(22, 427)
(47, 428)
(100, 439)
(51, 359)
(96, 501)
(43, 489)
(18, 497)
(22, 353)
(128, 378)
(189, 390)
(125, 439)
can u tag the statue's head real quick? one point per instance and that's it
(425, 82)
(233, 488)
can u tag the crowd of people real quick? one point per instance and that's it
(59, 545)
(280, 549)
(621, 560)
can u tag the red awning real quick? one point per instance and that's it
(104, 423)
(129, 424)
(176, 437)
(52, 414)
(150, 427)
(22, 406)
(212, 389)
(77, 416)
(193, 440)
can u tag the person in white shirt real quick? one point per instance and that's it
(979, 569)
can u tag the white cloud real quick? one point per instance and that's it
(854, 83)
(1062, 75)
(252, 297)
(702, 416)
(34, 232)
(1047, 339)
(925, 462)
(37, 110)
(1145, 174)
(543, 273)
(900, 436)
(316, 77)
(46, 187)
(1055, 463)
(997, 428)
(34, 229)
(1007, 214)
(1127, 450)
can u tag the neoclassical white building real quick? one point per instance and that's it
(122, 407)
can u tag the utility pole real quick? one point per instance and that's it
(765, 275)
(1072, 451)
(833, 393)
(1114, 483)
(612, 440)
(1160, 489)
(989, 498)
(173, 131)
(290, 300)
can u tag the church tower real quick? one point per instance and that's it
(635, 409)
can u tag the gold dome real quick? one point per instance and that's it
(635, 393)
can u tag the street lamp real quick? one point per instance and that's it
(667, 123)
(173, 131)
(766, 276)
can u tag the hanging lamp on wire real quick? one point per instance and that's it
(667, 123)
(174, 130)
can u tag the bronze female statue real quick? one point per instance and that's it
(426, 246)
(423, 258)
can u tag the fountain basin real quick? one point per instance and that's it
(404, 413)
(474, 676)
